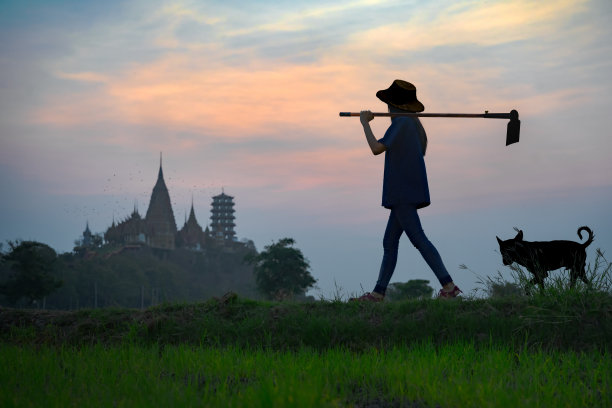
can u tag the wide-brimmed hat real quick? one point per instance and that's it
(402, 95)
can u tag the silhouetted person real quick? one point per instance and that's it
(405, 187)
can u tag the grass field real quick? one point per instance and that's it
(229, 352)
(578, 321)
(455, 375)
(547, 350)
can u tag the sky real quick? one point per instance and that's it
(244, 96)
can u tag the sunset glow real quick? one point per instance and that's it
(245, 96)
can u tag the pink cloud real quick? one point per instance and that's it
(228, 101)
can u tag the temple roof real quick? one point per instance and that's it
(191, 224)
(160, 208)
(222, 195)
(192, 217)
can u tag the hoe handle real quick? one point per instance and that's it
(512, 115)
(512, 133)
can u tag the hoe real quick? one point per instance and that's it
(512, 133)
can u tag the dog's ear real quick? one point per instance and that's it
(499, 240)
(519, 236)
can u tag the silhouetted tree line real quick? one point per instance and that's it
(33, 275)
(97, 275)
(413, 289)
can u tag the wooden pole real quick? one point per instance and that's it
(512, 115)
(512, 133)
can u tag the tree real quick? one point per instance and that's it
(30, 265)
(504, 289)
(281, 271)
(413, 289)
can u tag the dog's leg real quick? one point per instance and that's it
(536, 281)
(583, 276)
(573, 277)
(581, 270)
(578, 270)
(540, 275)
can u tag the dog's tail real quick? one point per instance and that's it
(591, 235)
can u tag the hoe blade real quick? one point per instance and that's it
(514, 128)
(512, 134)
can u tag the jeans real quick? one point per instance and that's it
(404, 218)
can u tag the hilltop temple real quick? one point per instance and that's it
(158, 228)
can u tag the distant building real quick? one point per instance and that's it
(158, 229)
(88, 240)
(132, 230)
(191, 235)
(222, 218)
(87, 236)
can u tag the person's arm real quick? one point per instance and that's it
(375, 145)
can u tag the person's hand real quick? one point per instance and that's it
(365, 117)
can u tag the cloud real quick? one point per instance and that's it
(302, 19)
(181, 93)
(84, 76)
(195, 89)
(230, 91)
(180, 11)
(483, 24)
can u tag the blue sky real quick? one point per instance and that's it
(246, 95)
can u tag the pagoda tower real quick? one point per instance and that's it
(160, 224)
(222, 218)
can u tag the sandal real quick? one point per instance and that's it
(450, 294)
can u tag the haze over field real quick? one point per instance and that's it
(245, 96)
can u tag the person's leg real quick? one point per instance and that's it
(408, 217)
(393, 233)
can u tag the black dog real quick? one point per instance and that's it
(541, 257)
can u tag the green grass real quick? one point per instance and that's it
(550, 349)
(417, 376)
(232, 352)
(578, 321)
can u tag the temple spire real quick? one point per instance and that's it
(87, 236)
(160, 175)
(161, 226)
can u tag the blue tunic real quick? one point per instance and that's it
(405, 180)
